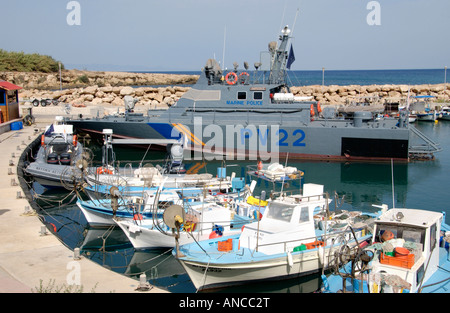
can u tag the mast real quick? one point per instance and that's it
(279, 57)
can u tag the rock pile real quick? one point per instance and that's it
(163, 97)
(346, 94)
(76, 78)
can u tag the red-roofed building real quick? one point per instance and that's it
(9, 101)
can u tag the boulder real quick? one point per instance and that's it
(91, 90)
(127, 91)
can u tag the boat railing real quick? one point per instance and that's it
(293, 197)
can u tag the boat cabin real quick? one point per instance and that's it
(415, 233)
(288, 222)
(9, 101)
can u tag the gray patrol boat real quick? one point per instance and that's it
(237, 114)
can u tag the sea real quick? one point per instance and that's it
(356, 77)
(358, 186)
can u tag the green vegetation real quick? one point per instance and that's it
(83, 79)
(53, 288)
(22, 62)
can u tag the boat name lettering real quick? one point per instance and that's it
(298, 134)
(248, 102)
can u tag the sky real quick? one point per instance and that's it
(181, 35)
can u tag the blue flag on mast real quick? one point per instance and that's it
(291, 58)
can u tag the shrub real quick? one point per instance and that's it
(22, 62)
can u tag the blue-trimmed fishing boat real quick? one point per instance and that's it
(294, 237)
(409, 253)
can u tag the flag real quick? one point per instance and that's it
(291, 58)
(49, 131)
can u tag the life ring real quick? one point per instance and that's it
(75, 140)
(102, 170)
(229, 75)
(243, 74)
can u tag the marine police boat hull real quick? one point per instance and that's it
(256, 116)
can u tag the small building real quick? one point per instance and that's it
(9, 102)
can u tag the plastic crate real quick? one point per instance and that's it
(403, 261)
(225, 246)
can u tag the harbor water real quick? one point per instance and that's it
(358, 77)
(417, 184)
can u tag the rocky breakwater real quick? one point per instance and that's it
(344, 95)
(110, 96)
(164, 97)
(77, 78)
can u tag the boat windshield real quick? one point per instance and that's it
(280, 211)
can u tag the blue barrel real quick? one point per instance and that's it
(16, 125)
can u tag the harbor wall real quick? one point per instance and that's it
(163, 97)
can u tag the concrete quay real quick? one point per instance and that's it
(29, 259)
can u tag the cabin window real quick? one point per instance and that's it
(281, 212)
(257, 95)
(304, 215)
(242, 95)
(432, 236)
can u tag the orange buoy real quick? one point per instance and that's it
(319, 108)
(75, 140)
(260, 166)
(138, 217)
(214, 234)
(312, 110)
(387, 235)
(102, 170)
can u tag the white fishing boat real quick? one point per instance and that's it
(101, 212)
(293, 238)
(409, 252)
(203, 220)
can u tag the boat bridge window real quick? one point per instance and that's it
(242, 95)
(432, 236)
(281, 212)
(257, 95)
(304, 215)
